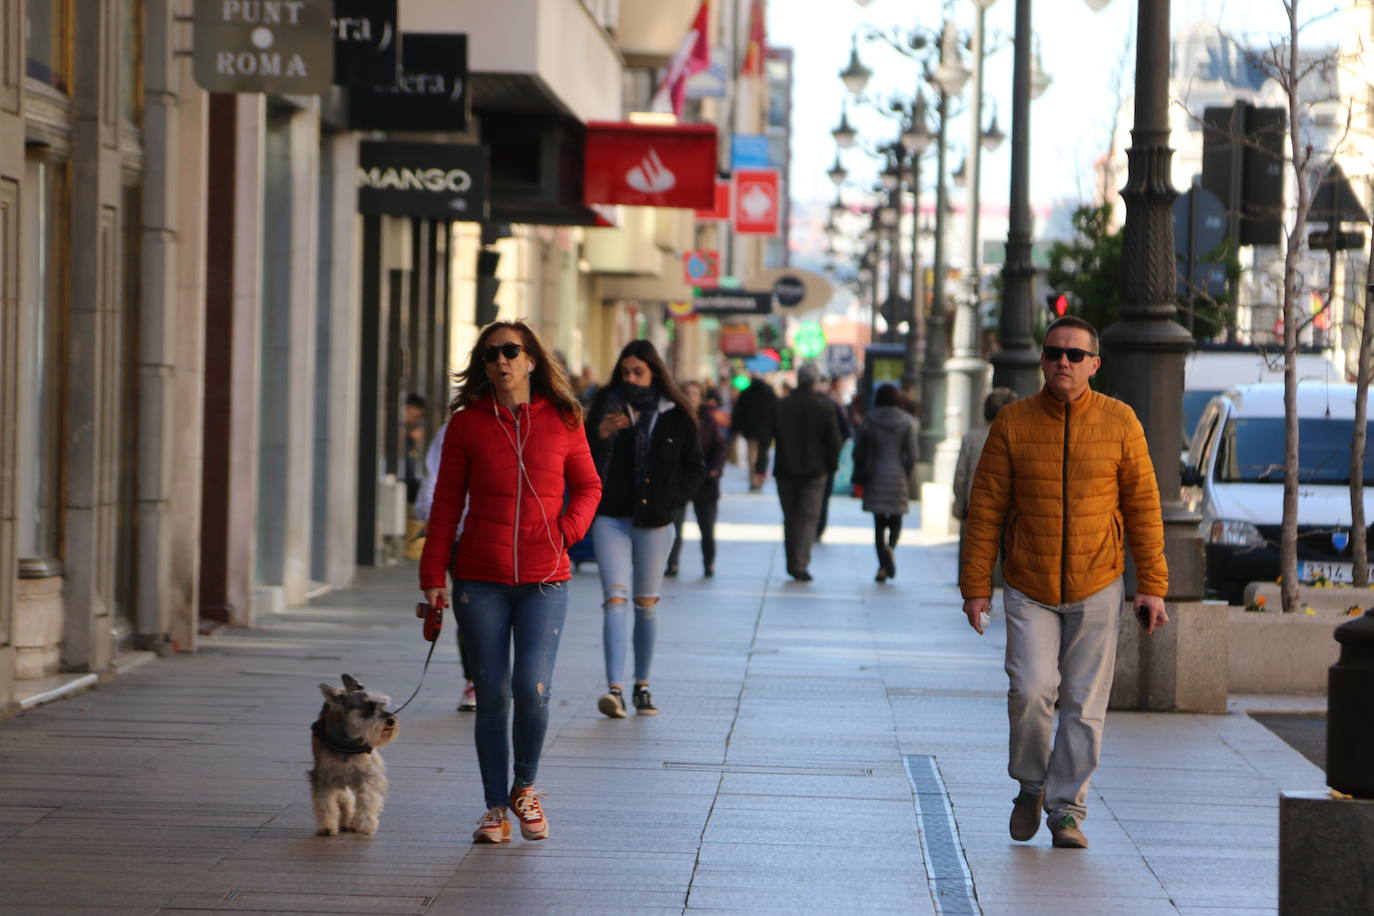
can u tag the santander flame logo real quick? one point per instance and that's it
(650, 176)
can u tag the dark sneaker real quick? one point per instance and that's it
(1025, 815)
(1066, 833)
(524, 801)
(612, 703)
(644, 701)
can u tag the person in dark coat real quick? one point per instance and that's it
(846, 430)
(707, 498)
(643, 436)
(808, 439)
(884, 454)
(749, 420)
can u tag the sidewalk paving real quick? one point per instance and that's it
(814, 742)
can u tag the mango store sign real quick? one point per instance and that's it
(278, 46)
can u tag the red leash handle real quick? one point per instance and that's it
(433, 618)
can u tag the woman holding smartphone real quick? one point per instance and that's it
(643, 435)
(514, 444)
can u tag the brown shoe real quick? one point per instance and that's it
(1025, 815)
(1066, 833)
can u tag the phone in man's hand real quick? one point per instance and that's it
(1142, 614)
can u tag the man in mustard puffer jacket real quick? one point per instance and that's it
(1064, 480)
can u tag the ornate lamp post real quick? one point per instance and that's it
(1147, 348)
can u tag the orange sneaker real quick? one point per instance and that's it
(493, 827)
(524, 801)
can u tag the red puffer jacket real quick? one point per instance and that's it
(517, 529)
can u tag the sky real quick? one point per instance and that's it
(1089, 56)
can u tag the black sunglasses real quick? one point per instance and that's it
(508, 350)
(1075, 355)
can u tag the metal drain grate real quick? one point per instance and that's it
(946, 868)
(758, 769)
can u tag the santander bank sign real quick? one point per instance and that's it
(650, 165)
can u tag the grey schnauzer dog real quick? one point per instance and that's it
(348, 783)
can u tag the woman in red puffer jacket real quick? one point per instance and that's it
(513, 448)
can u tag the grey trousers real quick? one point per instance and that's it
(1067, 652)
(801, 509)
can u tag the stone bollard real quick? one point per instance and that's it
(1182, 667)
(1326, 843)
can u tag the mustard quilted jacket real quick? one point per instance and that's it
(1058, 487)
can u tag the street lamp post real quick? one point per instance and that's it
(1017, 364)
(966, 370)
(1147, 348)
(916, 139)
(933, 371)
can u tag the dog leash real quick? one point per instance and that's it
(432, 628)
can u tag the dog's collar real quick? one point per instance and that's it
(359, 748)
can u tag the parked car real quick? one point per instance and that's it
(1234, 480)
(1213, 368)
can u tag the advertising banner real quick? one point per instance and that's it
(701, 267)
(366, 43)
(721, 210)
(758, 201)
(732, 302)
(429, 180)
(431, 92)
(650, 165)
(738, 340)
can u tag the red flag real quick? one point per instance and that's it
(693, 56)
(753, 58)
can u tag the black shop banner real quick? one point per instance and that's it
(443, 181)
(732, 302)
(431, 92)
(367, 43)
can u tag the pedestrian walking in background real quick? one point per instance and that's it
(514, 445)
(970, 450)
(424, 501)
(413, 423)
(808, 448)
(643, 435)
(846, 430)
(884, 453)
(749, 420)
(1065, 479)
(707, 498)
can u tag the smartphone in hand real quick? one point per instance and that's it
(1142, 614)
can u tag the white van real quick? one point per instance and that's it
(1213, 368)
(1234, 479)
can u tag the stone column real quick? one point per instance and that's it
(232, 338)
(336, 445)
(188, 347)
(93, 421)
(12, 62)
(158, 330)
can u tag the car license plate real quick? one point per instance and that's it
(1332, 572)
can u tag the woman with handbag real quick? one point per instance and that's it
(514, 444)
(884, 455)
(643, 435)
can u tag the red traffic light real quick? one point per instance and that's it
(1058, 303)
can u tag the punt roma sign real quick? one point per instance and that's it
(280, 46)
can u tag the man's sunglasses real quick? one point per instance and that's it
(1055, 354)
(508, 350)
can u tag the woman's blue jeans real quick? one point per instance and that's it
(492, 616)
(628, 556)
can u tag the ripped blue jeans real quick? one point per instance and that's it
(492, 616)
(628, 556)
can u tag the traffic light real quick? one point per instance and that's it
(1057, 303)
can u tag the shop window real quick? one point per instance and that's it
(48, 27)
(43, 286)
